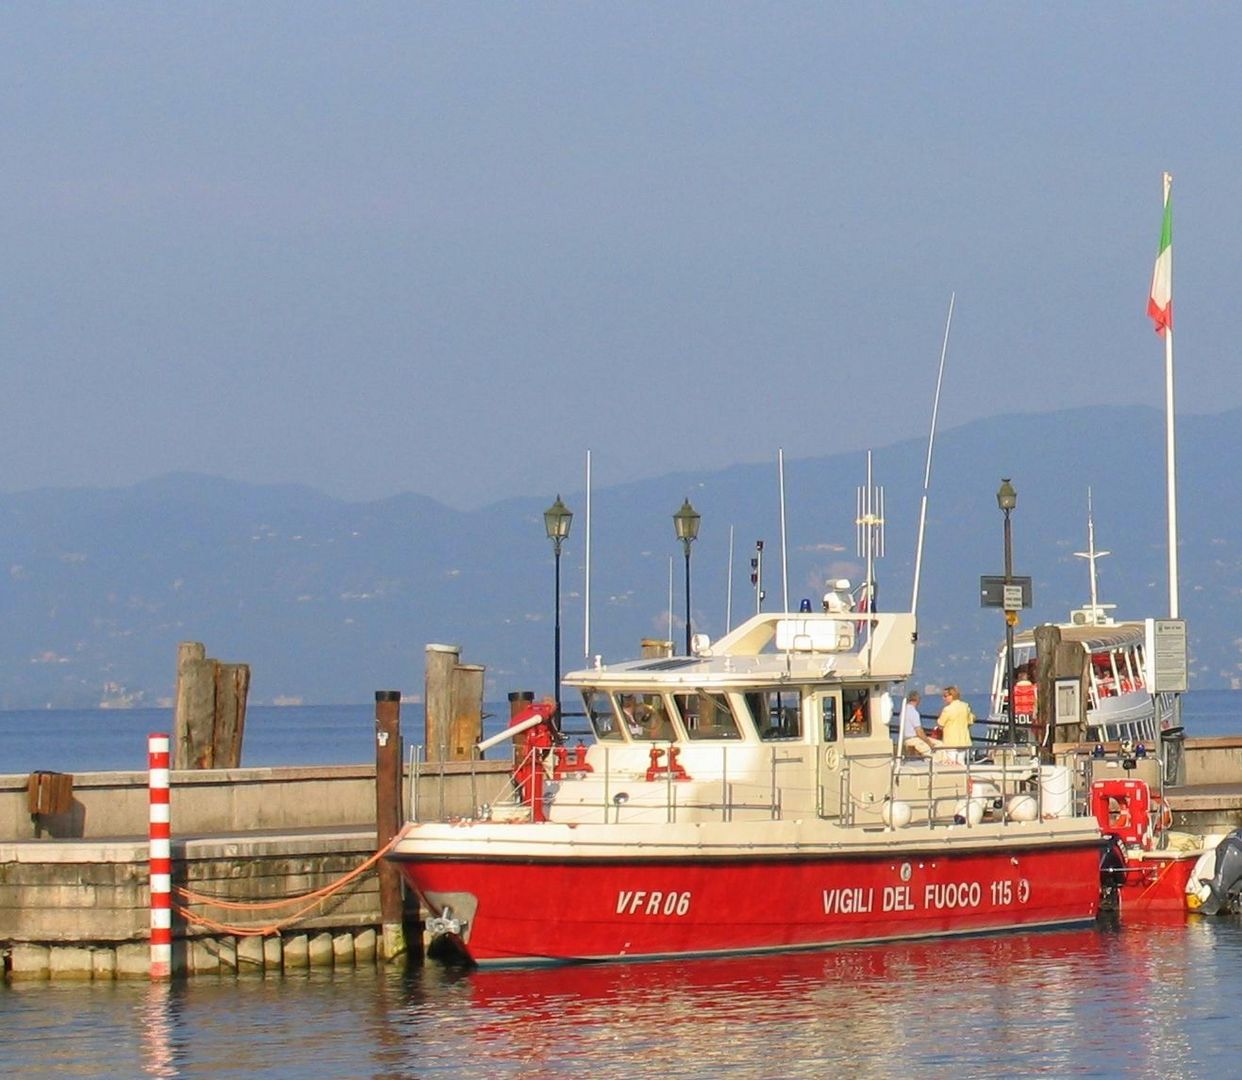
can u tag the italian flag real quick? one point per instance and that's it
(1160, 303)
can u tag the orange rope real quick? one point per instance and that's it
(1159, 878)
(316, 897)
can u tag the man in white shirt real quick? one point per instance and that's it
(914, 739)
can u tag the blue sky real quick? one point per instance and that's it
(447, 248)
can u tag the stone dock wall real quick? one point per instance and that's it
(74, 901)
(74, 890)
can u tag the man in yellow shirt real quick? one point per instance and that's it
(954, 721)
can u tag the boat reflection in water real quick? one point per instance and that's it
(1057, 1001)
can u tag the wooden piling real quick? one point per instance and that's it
(210, 710)
(1058, 661)
(229, 722)
(187, 702)
(438, 699)
(467, 724)
(388, 755)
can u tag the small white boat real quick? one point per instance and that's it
(1118, 702)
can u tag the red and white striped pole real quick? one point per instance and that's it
(159, 835)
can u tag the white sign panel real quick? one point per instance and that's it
(1167, 668)
(1068, 702)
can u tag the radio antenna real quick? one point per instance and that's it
(931, 441)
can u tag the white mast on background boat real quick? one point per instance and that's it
(931, 441)
(1098, 616)
(1160, 308)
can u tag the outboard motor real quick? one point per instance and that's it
(1225, 885)
(1112, 874)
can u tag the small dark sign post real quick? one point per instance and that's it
(1011, 593)
(992, 592)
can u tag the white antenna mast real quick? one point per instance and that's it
(780, 459)
(586, 591)
(756, 575)
(729, 587)
(1097, 612)
(671, 639)
(931, 440)
(870, 538)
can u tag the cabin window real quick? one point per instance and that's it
(646, 717)
(829, 709)
(603, 718)
(776, 714)
(708, 716)
(857, 722)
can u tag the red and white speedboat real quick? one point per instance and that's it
(748, 798)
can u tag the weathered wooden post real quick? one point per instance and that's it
(209, 713)
(190, 703)
(229, 724)
(438, 699)
(1060, 660)
(467, 724)
(1047, 638)
(388, 758)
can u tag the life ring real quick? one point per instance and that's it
(831, 757)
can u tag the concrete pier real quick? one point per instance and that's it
(74, 903)
(77, 907)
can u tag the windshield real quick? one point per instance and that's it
(707, 716)
(600, 713)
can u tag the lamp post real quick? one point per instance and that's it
(686, 522)
(1007, 499)
(556, 521)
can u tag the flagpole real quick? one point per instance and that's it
(1170, 444)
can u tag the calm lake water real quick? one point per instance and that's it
(1149, 1000)
(1142, 1001)
(84, 740)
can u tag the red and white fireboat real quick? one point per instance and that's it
(748, 798)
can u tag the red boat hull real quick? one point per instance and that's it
(567, 909)
(1155, 884)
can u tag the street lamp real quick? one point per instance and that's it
(1007, 499)
(686, 522)
(556, 520)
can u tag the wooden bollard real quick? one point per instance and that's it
(519, 702)
(388, 757)
(438, 699)
(209, 716)
(189, 704)
(229, 723)
(467, 725)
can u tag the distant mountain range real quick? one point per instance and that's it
(330, 600)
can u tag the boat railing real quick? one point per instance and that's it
(996, 731)
(455, 790)
(993, 778)
(772, 782)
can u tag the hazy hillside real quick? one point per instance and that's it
(330, 600)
